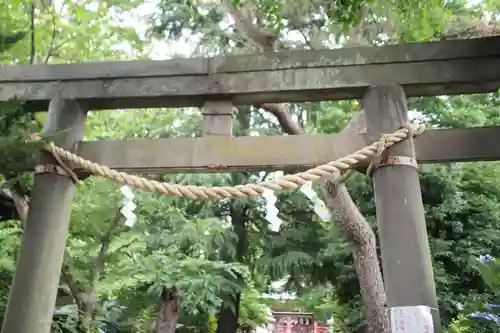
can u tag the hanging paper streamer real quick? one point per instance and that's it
(319, 206)
(270, 204)
(128, 206)
(272, 211)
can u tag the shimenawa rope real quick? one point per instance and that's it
(240, 191)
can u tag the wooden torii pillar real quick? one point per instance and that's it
(217, 118)
(33, 292)
(406, 258)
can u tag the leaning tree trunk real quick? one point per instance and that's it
(169, 312)
(362, 238)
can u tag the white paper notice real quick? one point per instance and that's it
(411, 319)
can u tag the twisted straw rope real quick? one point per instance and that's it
(240, 191)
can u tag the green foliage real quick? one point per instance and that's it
(489, 269)
(478, 314)
(459, 325)
(5, 280)
(253, 312)
(9, 40)
(10, 239)
(15, 126)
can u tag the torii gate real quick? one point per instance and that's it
(382, 76)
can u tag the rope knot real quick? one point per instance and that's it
(61, 168)
(411, 129)
(414, 129)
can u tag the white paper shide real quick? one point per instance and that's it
(128, 206)
(411, 319)
(319, 205)
(272, 211)
(270, 201)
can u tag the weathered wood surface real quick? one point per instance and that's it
(402, 233)
(34, 288)
(278, 152)
(415, 52)
(450, 67)
(217, 118)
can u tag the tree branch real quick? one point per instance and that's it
(284, 118)
(32, 28)
(67, 277)
(356, 33)
(50, 48)
(263, 40)
(88, 299)
(100, 260)
(21, 202)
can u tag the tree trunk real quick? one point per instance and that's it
(361, 236)
(169, 312)
(86, 306)
(227, 322)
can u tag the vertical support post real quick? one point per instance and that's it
(218, 118)
(33, 292)
(406, 258)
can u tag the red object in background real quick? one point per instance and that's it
(322, 328)
(295, 322)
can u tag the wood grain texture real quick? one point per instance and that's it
(356, 56)
(404, 245)
(217, 118)
(414, 52)
(277, 152)
(34, 288)
(452, 67)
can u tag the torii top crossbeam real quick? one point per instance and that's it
(440, 68)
